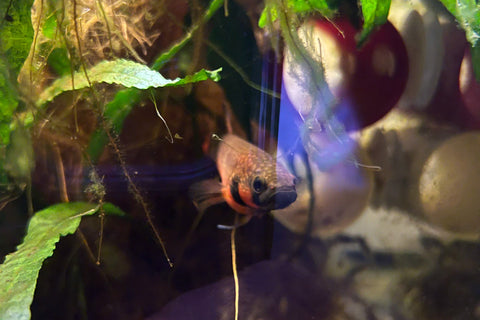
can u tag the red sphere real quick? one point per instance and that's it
(368, 81)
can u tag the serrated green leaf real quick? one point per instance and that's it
(19, 272)
(467, 13)
(118, 109)
(123, 72)
(375, 13)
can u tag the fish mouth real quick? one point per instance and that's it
(277, 198)
(283, 197)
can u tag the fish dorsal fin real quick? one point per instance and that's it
(216, 137)
(237, 144)
(231, 150)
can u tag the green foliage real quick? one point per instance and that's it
(19, 158)
(16, 34)
(19, 272)
(270, 13)
(115, 111)
(123, 72)
(125, 100)
(8, 103)
(301, 6)
(467, 13)
(375, 13)
(126, 73)
(49, 27)
(59, 62)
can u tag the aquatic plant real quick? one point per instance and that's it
(80, 53)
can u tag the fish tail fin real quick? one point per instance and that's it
(206, 193)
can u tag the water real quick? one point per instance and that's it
(382, 141)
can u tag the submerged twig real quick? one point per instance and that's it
(170, 138)
(82, 237)
(34, 45)
(234, 265)
(62, 184)
(100, 240)
(175, 48)
(240, 72)
(136, 192)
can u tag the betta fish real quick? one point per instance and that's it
(252, 181)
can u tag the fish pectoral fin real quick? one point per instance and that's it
(241, 221)
(206, 193)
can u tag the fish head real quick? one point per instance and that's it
(264, 183)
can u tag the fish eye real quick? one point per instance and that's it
(259, 184)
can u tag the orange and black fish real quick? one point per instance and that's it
(252, 181)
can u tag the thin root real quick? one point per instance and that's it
(234, 267)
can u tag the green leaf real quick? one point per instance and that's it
(375, 13)
(112, 209)
(268, 16)
(307, 6)
(59, 62)
(123, 72)
(467, 13)
(49, 27)
(19, 272)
